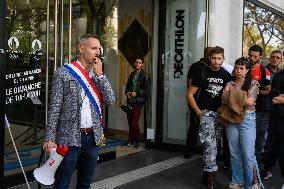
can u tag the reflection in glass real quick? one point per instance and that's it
(191, 45)
(25, 72)
(24, 82)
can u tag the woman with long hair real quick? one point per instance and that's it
(241, 133)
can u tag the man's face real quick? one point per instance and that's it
(254, 57)
(275, 59)
(216, 61)
(90, 50)
(138, 64)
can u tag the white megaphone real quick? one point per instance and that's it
(45, 174)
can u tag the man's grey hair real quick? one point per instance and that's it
(83, 39)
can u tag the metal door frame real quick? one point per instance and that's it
(56, 43)
(3, 60)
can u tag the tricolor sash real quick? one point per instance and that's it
(91, 90)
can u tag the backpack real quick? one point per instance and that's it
(263, 103)
(263, 74)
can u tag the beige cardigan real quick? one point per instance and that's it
(233, 108)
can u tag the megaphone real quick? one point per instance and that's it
(45, 174)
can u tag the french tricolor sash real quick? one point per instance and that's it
(95, 97)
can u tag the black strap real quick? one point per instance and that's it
(39, 163)
(263, 72)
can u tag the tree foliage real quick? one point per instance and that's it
(25, 16)
(97, 12)
(262, 27)
(23, 22)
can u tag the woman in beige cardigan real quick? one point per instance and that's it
(239, 98)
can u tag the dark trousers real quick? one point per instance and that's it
(271, 145)
(262, 122)
(133, 123)
(84, 158)
(226, 150)
(277, 145)
(191, 139)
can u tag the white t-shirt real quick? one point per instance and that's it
(228, 67)
(86, 113)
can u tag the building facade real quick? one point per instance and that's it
(40, 35)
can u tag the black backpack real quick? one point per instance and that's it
(263, 74)
(263, 103)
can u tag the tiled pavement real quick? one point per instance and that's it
(154, 169)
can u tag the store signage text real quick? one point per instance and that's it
(23, 90)
(179, 44)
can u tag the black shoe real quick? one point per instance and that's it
(188, 155)
(136, 145)
(199, 150)
(204, 180)
(265, 174)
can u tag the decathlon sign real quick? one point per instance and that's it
(179, 43)
(176, 67)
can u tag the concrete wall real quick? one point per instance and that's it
(276, 4)
(225, 27)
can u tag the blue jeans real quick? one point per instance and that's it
(83, 158)
(241, 139)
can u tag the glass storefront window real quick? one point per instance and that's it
(185, 42)
(38, 34)
(25, 82)
(262, 27)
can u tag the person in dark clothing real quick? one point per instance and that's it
(277, 116)
(137, 92)
(273, 68)
(262, 75)
(206, 106)
(195, 71)
(271, 146)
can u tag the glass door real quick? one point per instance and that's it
(42, 36)
(184, 45)
(26, 82)
(38, 33)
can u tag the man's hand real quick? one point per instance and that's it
(47, 146)
(278, 99)
(128, 94)
(98, 67)
(201, 113)
(133, 94)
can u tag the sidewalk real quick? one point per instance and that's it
(154, 169)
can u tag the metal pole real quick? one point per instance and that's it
(47, 61)
(55, 33)
(69, 31)
(61, 33)
(3, 60)
(20, 162)
(206, 23)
